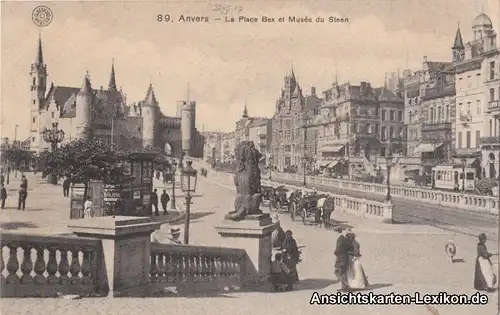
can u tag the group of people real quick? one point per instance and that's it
(23, 192)
(348, 268)
(164, 199)
(171, 238)
(284, 272)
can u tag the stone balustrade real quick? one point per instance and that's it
(470, 202)
(196, 268)
(365, 208)
(47, 265)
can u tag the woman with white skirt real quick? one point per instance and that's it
(484, 277)
(355, 274)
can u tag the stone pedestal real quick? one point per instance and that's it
(126, 249)
(388, 210)
(254, 236)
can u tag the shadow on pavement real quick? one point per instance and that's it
(17, 225)
(376, 286)
(458, 260)
(194, 217)
(313, 284)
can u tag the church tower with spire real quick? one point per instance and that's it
(38, 88)
(112, 79)
(150, 115)
(458, 48)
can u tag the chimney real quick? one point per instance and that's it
(313, 90)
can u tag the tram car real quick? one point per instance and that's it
(451, 177)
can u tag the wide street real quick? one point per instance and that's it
(401, 258)
(416, 212)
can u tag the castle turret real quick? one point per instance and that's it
(149, 113)
(84, 109)
(188, 120)
(38, 88)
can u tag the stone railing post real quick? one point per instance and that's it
(126, 246)
(253, 234)
(388, 209)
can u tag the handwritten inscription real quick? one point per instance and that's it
(226, 9)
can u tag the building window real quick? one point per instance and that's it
(382, 115)
(32, 139)
(459, 140)
(478, 106)
(384, 133)
(491, 127)
(400, 116)
(478, 138)
(492, 70)
(447, 112)
(467, 140)
(391, 115)
(34, 119)
(391, 133)
(492, 95)
(468, 108)
(460, 109)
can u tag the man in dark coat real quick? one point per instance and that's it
(164, 199)
(154, 201)
(292, 254)
(66, 184)
(342, 261)
(3, 195)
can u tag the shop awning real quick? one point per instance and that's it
(333, 164)
(333, 148)
(322, 163)
(428, 147)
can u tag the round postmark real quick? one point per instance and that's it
(42, 15)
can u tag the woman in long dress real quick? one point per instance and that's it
(484, 277)
(355, 274)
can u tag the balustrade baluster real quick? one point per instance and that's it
(183, 269)
(189, 268)
(204, 268)
(26, 266)
(238, 269)
(75, 267)
(211, 267)
(161, 268)
(218, 267)
(2, 265)
(224, 267)
(52, 266)
(12, 265)
(153, 269)
(63, 267)
(170, 268)
(86, 268)
(199, 267)
(40, 266)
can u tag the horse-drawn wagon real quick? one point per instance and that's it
(314, 208)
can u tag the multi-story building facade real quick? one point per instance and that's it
(289, 124)
(212, 145)
(227, 146)
(357, 124)
(260, 132)
(476, 70)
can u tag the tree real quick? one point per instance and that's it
(85, 160)
(18, 156)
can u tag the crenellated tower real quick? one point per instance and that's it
(83, 106)
(150, 115)
(38, 76)
(188, 118)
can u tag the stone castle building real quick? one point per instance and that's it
(86, 112)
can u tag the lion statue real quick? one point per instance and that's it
(247, 182)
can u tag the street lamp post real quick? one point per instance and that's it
(188, 183)
(464, 164)
(172, 202)
(304, 164)
(270, 166)
(53, 136)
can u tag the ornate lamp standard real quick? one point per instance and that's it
(391, 160)
(53, 136)
(270, 166)
(188, 183)
(172, 171)
(305, 162)
(464, 164)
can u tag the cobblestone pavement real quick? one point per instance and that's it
(400, 258)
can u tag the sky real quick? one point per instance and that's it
(225, 64)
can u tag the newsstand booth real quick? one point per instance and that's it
(134, 187)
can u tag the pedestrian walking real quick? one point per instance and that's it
(2, 179)
(24, 182)
(164, 199)
(342, 261)
(23, 194)
(3, 195)
(66, 184)
(154, 201)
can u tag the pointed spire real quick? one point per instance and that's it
(112, 79)
(385, 81)
(292, 74)
(86, 86)
(39, 53)
(150, 97)
(245, 111)
(458, 43)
